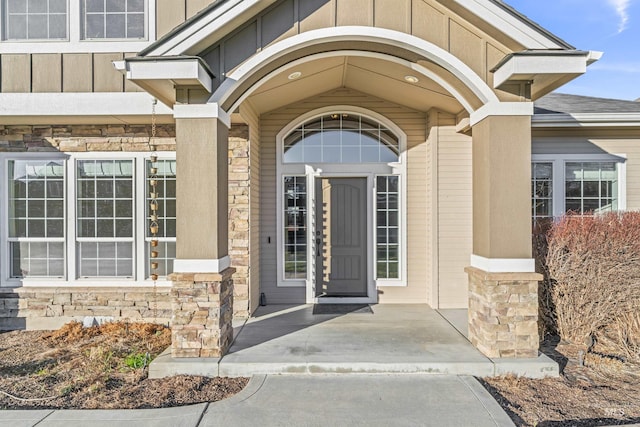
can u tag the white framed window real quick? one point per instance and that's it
(388, 227)
(82, 218)
(113, 19)
(295, 227)
(26, 20)
(90, 26)
(583, 184)
(105, 218)
(35, 218)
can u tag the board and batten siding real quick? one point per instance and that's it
(85, 72)
(62, 72)
(414, 125)
(427, 19)
(625, 143)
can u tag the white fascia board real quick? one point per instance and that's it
(207, 26)
(526, 67)
(185, 72)
(586, 120)
(78, 104)
(509, 24)
(501, 109)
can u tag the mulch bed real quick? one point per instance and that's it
(99, 367)
(594, 389)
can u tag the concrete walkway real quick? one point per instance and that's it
(302, 400)
(389, 339)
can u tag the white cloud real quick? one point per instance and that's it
(621, 7)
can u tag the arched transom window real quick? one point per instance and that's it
(341, 138)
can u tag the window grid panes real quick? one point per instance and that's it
(36, 218)
(113, 19)
(166, 199)
(591, 187)
(542, 190)
(295, 227)
(105, 218)
(35, 19)
(341, 138)
(387, 227)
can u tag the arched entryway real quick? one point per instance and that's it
(341, 204)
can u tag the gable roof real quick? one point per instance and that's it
(224, 16)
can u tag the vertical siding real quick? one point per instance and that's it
(170, 14)
(16, 73)
(393, 14)
(105, 77)
(78, 75)
(455, 199)
(47, 72)
(195, 6)
(414, 125)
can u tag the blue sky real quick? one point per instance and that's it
(609, 26)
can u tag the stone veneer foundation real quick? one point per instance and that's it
(503, 313)
(201, 325)
(48, 307)
(52, 307)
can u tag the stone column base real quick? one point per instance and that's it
(202, 303)
(503, 313)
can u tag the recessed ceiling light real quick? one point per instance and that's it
(295, 75)
(411, 79)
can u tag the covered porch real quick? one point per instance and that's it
(376, 339)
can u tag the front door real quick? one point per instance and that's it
(341, 237)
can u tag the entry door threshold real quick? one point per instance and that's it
(342, 300)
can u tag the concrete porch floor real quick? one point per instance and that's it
(394, 339)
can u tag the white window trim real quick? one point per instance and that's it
(559, 162)
(71, 279)
(364, 170)
(75, 44)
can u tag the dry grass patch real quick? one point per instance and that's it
(99, 367)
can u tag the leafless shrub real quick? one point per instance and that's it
(592, 277)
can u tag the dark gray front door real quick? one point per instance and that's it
(341, 237)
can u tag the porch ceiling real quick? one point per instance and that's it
(376, 77)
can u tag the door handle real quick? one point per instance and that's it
(318, 243)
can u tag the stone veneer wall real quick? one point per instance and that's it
(201, 325)
(51, 306)
(239, 180)
(503, 313)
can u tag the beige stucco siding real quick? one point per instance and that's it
(454, 211)
(414, 125)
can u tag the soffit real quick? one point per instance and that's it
(372, 76)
